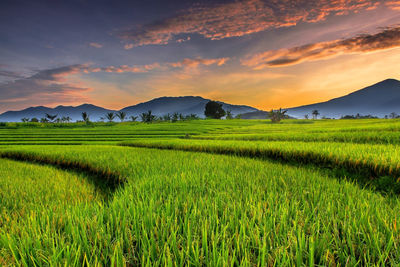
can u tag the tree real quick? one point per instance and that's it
(110, 116)
(315, 113)
(214, 110)
(121, 115)
(229, 115)
(85, 117)
(133, 118)
(34, 119)
(66, 119)
(44, 120)
(24, 119)
(306, 116)
(276, 115)
(167, 117)
(393, 115)
(175, 117)
(51, 118)
(147, 117)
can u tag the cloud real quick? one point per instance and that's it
(193, 63)
(10, 74)
(185, 63)
(240, 18)
(395, 5)
(385, 39)
(182, 40)
(128, 46)
(52, 85)
(46, 86)
(96, 45)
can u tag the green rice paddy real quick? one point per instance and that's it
(205, 192)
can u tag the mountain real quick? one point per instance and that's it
(379, 100)
(75, 113)
(159, 106)
(183, 104)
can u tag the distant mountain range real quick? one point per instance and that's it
(185, 105)
(378, 100)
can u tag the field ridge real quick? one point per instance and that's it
(105, 180)
(385, 178)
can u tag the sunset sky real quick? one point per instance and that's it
(263, 53)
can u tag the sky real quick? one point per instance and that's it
(263, 53)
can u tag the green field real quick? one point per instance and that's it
(202, 192)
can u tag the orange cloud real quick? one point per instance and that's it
(241, 18)
(386, 39)
(395, 5)
(193, 63)
(187, 62)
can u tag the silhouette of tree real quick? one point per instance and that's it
(85, 117)
(393, 115)
(121, 115)
(110, 116)
(51, 118)
(315, 114)
(175, 117)
(34, 119)
(306, 116)
(147, 117)
(133, 118)
(214, 110)
(25, 119)
(44, 120)
(276, 115)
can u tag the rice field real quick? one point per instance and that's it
(206, 192)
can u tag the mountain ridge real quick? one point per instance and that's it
(159, 106)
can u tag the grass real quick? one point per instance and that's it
(171, 207)
(34, 200)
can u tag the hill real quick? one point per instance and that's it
(379, 100)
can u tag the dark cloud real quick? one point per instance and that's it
(385, 39)
(241, 18)
(45, 86)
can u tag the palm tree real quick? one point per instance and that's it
(68, 119)
(85, 117)
(44, 120)
(24, 119)
(306, 116)
(110, 116)
(393, 115)
(147, 117)
(51, 118)
(121, 115)
(315, 113)
(133, 118)
(175, 117)
(277, 115)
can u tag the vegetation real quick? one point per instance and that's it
(315, 113)
(200, 192)
(121, 115)
(147, 117)
(214, 110)
(277, 115)
(110, 116)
